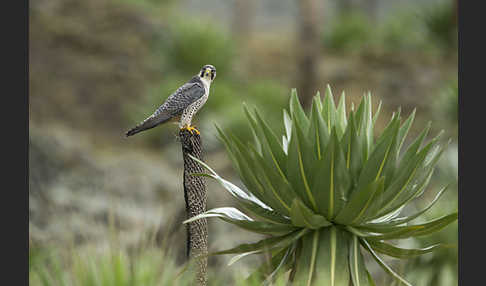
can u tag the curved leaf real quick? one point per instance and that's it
(341, 121)
(396, 232)
(297, 175)
(227, 212)
(297, 112)
(239, 256)
(288, 131)
(402, 133)
(263, 214)
(230, 187)
(318, 134)
(329, 108)
(397, 252)
(383, 264)
(372, 169)
(241, 220)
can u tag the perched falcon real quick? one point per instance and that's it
(182, 104)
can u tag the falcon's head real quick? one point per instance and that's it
(208, 72)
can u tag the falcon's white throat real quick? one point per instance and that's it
(207, 84)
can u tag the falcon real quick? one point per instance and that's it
(182, 104)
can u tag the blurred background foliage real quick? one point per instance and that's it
(97, 67)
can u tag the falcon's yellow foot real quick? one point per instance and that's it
(191, 129)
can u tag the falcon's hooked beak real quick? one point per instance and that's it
(207, 73)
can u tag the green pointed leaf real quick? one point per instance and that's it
(390, 166)
(383, 264)
(220, 212)
(397, 232)
(374, 166)
(360, 117)
(288, 131)
(402, 133)
(302, 216)
(319, 101)
(297, 174)
(317, 134)
(305, 148)
(377, 113)
(329, 112)
(353, 149)
(415, 145)
(402, 253)
(365, 125)
(369, 121)
(341, 121)
(297, 112)
(357, 267)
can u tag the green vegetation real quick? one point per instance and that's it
(329, 190)
(350, 32)
(113, 268)
(212, 44)
(429, 28)
(441, 25)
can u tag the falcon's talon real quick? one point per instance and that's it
(191, 129)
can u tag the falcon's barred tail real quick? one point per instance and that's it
(148, 123)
